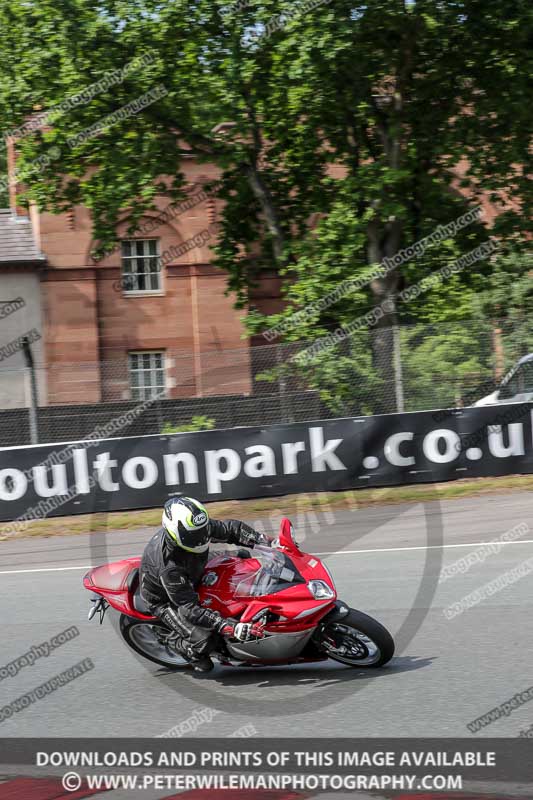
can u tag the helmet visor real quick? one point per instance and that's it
(195, 541)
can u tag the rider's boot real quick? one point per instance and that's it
(200, 663)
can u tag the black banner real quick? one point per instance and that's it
(238, 463)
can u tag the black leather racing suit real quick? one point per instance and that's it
(169, 578)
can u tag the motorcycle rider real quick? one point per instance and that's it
(171, 569)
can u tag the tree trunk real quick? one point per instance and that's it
(269, 210)
(383, 242)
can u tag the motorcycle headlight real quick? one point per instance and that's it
(320, 590)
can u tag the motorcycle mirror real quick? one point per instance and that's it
(286, 535)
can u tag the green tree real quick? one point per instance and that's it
(457, 362)
(401, 94)
(345, 122)
(507, 301)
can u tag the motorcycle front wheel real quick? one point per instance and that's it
(357, 640)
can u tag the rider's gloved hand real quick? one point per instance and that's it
(227, 627)
(265, 540)
(249, 538)
(243, 631)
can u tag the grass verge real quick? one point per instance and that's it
(287, 505)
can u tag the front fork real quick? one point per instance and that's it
(338, 612)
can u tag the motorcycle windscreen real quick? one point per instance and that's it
(276, 572)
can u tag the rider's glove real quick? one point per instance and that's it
(226, 627)
(265, 540)
(250, 538)
(243, 631)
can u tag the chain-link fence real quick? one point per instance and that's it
(410, 368)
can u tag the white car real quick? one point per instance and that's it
(516, 387)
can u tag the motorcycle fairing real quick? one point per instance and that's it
(290, 603)
(114, 582)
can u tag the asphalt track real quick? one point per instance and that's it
(446, 672)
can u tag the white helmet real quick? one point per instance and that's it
(186, 522)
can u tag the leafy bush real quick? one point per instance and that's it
(197, 423)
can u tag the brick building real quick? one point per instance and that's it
(152, 315)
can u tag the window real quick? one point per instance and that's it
(147, 375)
(508, 389)
(525, 377)
(141, 265)
(520, 382)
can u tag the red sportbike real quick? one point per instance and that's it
(289, 592)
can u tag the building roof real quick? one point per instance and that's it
(17, 244)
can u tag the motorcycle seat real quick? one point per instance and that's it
(135, 589)
(133, 580)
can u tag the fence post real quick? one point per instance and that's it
(30, 373)
(398, 375)
(285, 407)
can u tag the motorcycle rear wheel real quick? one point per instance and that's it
(147, 640)
(357, 640)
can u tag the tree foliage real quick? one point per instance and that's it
(350, 130)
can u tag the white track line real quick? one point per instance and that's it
(333, 553)
(422, 547)
(43, 569)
